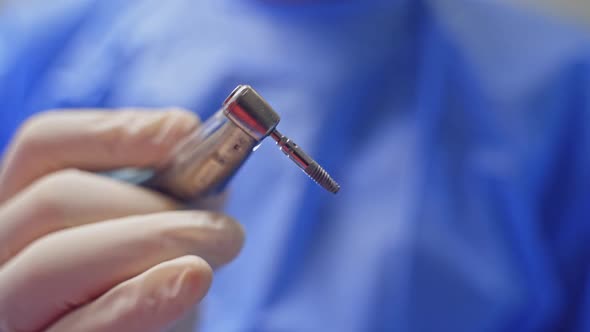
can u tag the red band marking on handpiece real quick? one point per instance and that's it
(240, 113)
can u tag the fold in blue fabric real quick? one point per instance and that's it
(459, 130)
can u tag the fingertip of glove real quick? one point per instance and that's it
(229, 240)
(195, 277)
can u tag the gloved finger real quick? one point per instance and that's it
(149, 302)
(91, 140)
(75, 266)
(70, 198)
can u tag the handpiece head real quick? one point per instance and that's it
(249, 111)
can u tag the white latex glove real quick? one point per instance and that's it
(82, 252)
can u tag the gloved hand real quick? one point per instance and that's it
(83, 252)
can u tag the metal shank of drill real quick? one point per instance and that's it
(305, 162)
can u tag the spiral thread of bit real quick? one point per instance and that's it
(305, 162)
(321, 177)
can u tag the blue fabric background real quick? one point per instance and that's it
(459, 130)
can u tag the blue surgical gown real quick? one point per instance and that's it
(459, 130)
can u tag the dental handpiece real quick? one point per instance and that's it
(207, 159)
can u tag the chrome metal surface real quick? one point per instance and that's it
(207, 159)
(249, 111)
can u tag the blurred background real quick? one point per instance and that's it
(458, 129)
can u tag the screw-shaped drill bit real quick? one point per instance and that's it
(305, 162)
